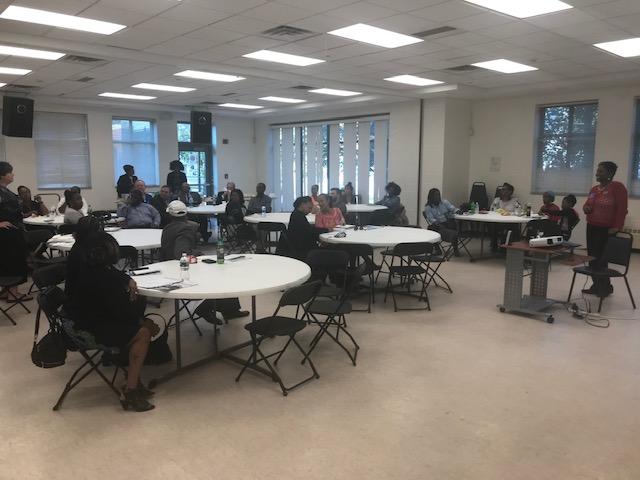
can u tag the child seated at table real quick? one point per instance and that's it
(549, 208)
(568, 217)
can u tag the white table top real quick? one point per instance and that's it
(276, 217)
(363, 208)
(494, 217)
(252, 275)
(138, 238)
(380, 237)
(205, 209)
(54, 221)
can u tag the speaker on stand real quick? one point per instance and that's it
(201, 127)
(17, 117)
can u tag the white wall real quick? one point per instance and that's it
(505, 128)
(238, 158)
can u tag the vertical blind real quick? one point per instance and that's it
(330, 155)
(565, 148)
(635, 161)
(62, 150)
(135, 143)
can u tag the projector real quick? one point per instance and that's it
(546, 241)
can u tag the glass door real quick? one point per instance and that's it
(198, 160)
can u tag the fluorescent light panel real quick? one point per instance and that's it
(214, 77)
(623, 48)
(163, 88)
(413, 80)
(14, 71)
(282, 100)
(126, 96)
(523, 8)
(72, 22)
(505, 66)
(333, 91)
(29, 53)
(2, 84)
(287, 58)
(241, 106)
(375, 36)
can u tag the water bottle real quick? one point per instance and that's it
(476, 208)
(220, 252)
(263, 211)
(528, 210)
(184, 267)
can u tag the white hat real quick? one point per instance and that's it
(177, 209)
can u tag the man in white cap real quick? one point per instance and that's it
(181, 236)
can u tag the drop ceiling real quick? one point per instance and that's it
(164, 37)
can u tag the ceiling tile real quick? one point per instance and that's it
(181, 46)
(278, 13)
(68, 7)
(150, 7)
(249, 26)
(187, 12)
(316, 6)
(109, 13)
(447, 11)
(362, 12)
(235, 6)
(168, 25)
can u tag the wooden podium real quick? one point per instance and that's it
(536, 302)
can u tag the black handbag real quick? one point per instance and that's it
(159, 351)
(50, 351)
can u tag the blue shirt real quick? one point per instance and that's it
(439, 214)
(142, 216)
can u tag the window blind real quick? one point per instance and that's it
(62, 150)
(634, 186)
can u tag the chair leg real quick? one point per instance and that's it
(573, 281)
(633, 302)
(252, 358)
(275, 362)
(600, 304)
(7, 315)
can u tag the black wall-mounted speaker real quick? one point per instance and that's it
(201, 127)
(17, 117)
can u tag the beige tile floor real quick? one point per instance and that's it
(462, 392)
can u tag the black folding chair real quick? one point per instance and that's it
(479, 194)
(266, 242)
(282, 326)
(362, 254)
(409, 271)
(617, 252)
(94, 355)
(66, 229)
(440, 253)
(6, 284)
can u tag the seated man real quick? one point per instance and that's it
(440, 214)
(193, 199)
(160, 202)
(142, 188)
(62, 205)
(260, 200)
(223, 196)
(180, 236)
(138, 214)
(505, 199)
(31, 207)
(568, 218)
(73, 213)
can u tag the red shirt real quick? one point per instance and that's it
(549, 210)
(329, 220)
(608, 205)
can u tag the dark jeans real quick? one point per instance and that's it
(597, 238)
(448, 225)
(203, 221)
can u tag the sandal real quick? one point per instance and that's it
(133, 400)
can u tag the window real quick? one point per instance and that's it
(184, 132)
(635, 161)
(199, 160)
(62, 150)
(565, 148)
(135, 143)
(330, 155)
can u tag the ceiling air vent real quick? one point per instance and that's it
(210, 103)
(303, 87)
(286, 32)
(85, 79)
(440, 32)
(17, 86)
(228, 94)
(463, 68)
(81, 59)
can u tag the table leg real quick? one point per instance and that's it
(176, 305)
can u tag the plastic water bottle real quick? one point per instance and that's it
(220, 252)
(263, 211)
(184, 267)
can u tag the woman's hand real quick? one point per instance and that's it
(132, 288)
(7, 225)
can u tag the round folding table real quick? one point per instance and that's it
(381, 237)
(275, 217)
(363, 208)
(45, 221)
(139, 238)
(240, 275)
(209, 210)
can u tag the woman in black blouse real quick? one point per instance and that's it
(176, 177)
(13, 254)
(235, 209)
(106, 303)
(302, 236)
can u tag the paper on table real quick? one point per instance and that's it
(137, 273)
(155, 281)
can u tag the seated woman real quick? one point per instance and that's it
(439, 213)
(328, 217)
(395, 210)
(348, 196)
(549, 208)
(568, 218)
(138, 214)
(73, 212)
(77, 258)
(505, 199)
(62, 205)
(301, 235)
(105, 303)
(235, 209)
(31, 207)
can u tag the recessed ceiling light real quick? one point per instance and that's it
(44, 17)
(282, 99)
(505, 66)
(241, 106)
(14, 71)
(623, 48)
(375, 36)
(332, 91)
(126, 96)
(163, 88)
(523, 8)
(413, 80)
(278, 57)
(215, 77)
(29, 53)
